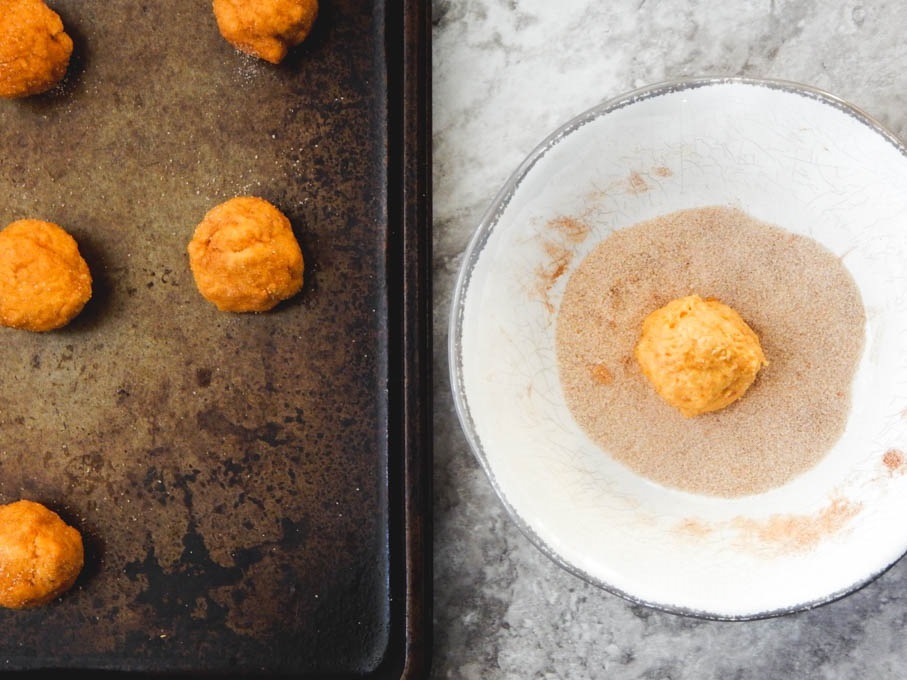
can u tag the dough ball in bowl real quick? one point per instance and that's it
(699, 355)
(44, 282)
(40, 555)
(265, 28)
(34, 48)
(244, 256)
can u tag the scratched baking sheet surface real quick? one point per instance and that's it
(228, 472)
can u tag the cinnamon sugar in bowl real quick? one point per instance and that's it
(782, 201)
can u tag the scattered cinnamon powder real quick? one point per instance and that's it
(694, 527)
(561, 234)
(574, 230)
(795, 294)
(894, 461)
(601, 374)
(559, 260)
(634, 184)
(796, 533)
(638, 185)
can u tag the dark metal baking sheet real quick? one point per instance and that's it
(252, 489)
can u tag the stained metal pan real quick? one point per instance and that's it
(252, 489)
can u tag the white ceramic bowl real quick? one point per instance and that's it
(788, 155)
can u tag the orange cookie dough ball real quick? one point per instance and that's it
(699, 355)
(40, 555)
(244, 256)
(44, 282)
(34, 48)
(265, 28)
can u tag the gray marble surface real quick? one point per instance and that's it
(506, 73)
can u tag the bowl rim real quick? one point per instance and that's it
(482, 232)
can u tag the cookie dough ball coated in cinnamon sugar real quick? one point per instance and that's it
(244, 256)
(44, 282)
(265, 28)
(699, 355)
(34, 48)
(40, 555)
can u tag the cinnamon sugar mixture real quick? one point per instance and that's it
(796, 295)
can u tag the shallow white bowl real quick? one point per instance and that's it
(789, 155)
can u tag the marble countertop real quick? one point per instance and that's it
(505, 74)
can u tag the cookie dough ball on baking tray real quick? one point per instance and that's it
(40, 555)
(44, 282)
(34, 48)
(244, 256)
(265, 28)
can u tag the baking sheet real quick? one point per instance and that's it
(250, 488)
